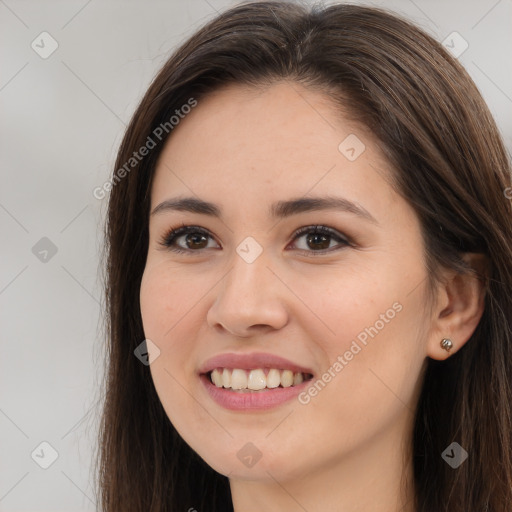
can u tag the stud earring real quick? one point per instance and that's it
(447, 344)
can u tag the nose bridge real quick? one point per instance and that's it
(249, 274)
(248, 295)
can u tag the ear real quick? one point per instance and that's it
(460, 305)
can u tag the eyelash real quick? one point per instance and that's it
(168, 240)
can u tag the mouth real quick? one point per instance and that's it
(256, 380)
(253, 381)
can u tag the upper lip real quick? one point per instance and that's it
(250, 362)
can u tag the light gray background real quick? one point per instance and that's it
(61, 121)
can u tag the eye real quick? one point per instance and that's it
(195, 239)
(320, 237)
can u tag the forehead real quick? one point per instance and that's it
(259, 120)
(249, 144)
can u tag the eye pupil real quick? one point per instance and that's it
(314, 239)
(196, 239)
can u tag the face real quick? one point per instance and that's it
(341, 305)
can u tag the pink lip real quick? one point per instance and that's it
(264, 399)
(251, 362)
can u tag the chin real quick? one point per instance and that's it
(247, 464)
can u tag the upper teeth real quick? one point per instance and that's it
(255, 379)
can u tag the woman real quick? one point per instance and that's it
(309, 274)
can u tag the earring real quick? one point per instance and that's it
(447, 344)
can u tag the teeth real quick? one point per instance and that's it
(286, 378)
(226, 378)
(297, 378)
(273, 378)
(217, 378)
(256, 379)
(238, 379)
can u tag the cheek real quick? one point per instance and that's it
(371, 329)
(365, 388)
(354, 301)
(165, 300)
(168, 320)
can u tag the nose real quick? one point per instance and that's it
(249, 300)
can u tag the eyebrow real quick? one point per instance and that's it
(280, 209)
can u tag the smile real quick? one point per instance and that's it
(256, 380)
(252, 381)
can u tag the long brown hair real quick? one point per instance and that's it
(449, 163)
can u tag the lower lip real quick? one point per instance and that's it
(265, 399)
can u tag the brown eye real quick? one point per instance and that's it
(319, 238)
(194, 239)
(318, 241)
(190, 239)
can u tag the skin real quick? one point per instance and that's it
(243, 149)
